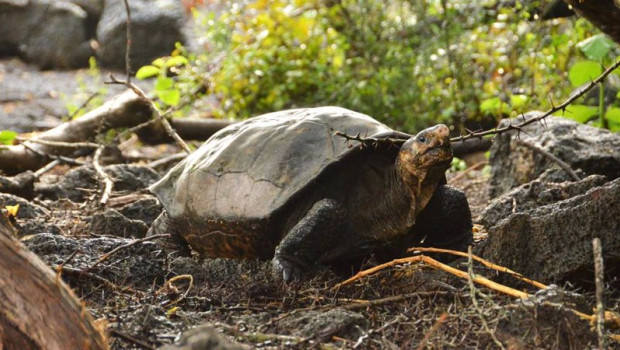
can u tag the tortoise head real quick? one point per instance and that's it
(422, 162)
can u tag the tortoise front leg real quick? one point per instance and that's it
(312, 237)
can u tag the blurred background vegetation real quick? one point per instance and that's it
(408, 63)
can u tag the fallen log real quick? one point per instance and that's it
(37, 310)
(124, 110)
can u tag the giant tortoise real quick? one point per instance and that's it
(284, 186)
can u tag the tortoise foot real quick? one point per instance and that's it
(287, 270)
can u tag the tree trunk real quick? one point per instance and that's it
(37, 310)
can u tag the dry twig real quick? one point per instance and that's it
(108, 183)
(168, 285)
(433, 329)
(434, 263)
(474, 300)
(553, 109)
(551, 157)
(482, 261)
(119, 248)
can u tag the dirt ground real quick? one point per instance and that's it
(148, 297)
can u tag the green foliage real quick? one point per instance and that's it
(166, 89)
(599, 51)
(584, 72)
(90, 93)
(458, 165)
(7, 137)
(596, 47)
(407, 63)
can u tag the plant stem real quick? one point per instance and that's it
(601, 105)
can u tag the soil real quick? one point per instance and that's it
(148, 298)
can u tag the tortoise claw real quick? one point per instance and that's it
(286, 270)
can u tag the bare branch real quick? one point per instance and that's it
(553, 109)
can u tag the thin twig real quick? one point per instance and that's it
(119, 248)
(599, 272)
(128, 43)
(131, 339)
(165, 160)
(551, 157)
(467, 171)
(366, 335)
(388, 300)
(158, 115)
(108, 183)
(168, 284)
(433, 329)
(104, 281)
(51, 165)
(474, 300)
(560, 107)
(83, 105)
(434, 263)
(482, 261)
(60, 143)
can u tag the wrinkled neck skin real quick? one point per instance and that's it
(419, 183)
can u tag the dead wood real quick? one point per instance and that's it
(37, 310)
(188, 128)
(123, 110)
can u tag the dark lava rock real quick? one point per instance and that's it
(594, 150)
(534, 194)
(553, 243)
(203, 337)
(339, 322)
(31, 218)
(145, 210)
(113, 223)
(139, 264)
(20, 185)
(155, 28)
(546, 321)
(51, 34)
(81, 182)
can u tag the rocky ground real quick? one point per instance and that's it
(530, 216)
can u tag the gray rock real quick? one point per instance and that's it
(203, 337)
(94, 9)
(50, 34)
(113, 223)
(155, 28)
(145, 210)
(31, 218)
(593, 150)
(534, 194)
(339, 322)
(553, 243)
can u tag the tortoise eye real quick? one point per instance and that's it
(421, 139)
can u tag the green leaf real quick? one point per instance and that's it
(170, 97)
(7, 137)
(163, 83)
(146, 72)
(176, 61)
(618, 95)
(596, 47)
(494, 106)
(579, 113)
(583, 72)
(613, 114)
(159, 62)
(518, 101)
